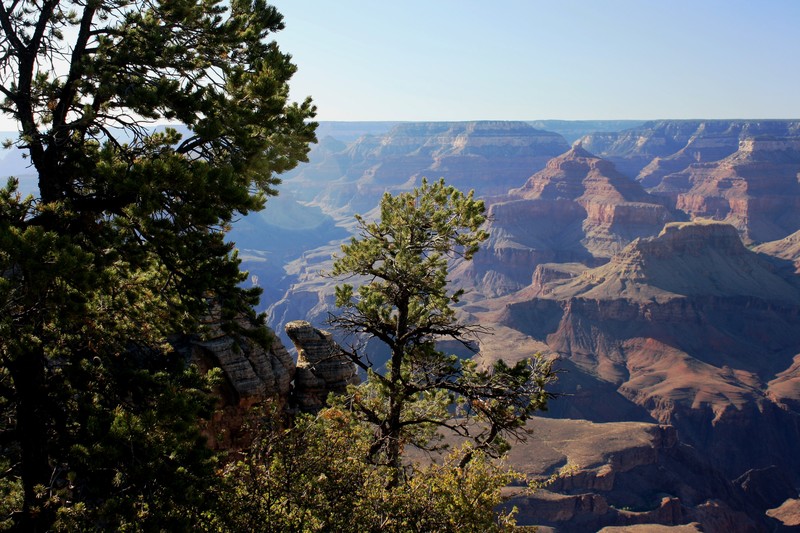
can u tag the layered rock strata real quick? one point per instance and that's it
(577, 209)
(617, 210)
(658, 148)
(756, 189)
(252, 376)
(488, 156)
(322, 367)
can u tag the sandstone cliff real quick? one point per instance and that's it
(253, 375)
(322, 368)
(617, 209)
(755, 189)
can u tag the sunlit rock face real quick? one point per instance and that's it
(617, 209)
(755, 189)
(577, 209)
(322, 368)
(787, 248)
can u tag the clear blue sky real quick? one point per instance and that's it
(537, 59)
(543, 59)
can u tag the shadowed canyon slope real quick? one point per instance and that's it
(628, 473)
(632, 257)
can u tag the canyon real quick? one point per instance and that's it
(657, 263)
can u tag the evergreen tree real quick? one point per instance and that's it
(315, 476)
(123, 246)
(405, 302)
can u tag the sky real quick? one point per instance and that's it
(545, 59)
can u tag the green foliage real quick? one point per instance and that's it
(346, 469)
(316, 477)
(405, 302)
(122, 249)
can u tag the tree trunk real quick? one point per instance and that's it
(28, 372)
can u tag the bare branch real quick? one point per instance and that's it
(75, 66)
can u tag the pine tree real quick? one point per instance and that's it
(405, 302)
(123, 246)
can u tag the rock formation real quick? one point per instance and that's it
(579, 208)
(788, 514)
(253, 375)
(657, 148)
(756, 189)
(617, 209)
(787, 248)
(322, 368)
(490, 157)
(686, 328)
(690, 326)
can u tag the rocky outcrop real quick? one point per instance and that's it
(616, 209)
(523, 234)
(252, 375)
(788, 514)
(577, 209)
(787, 248)
(322, 367)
